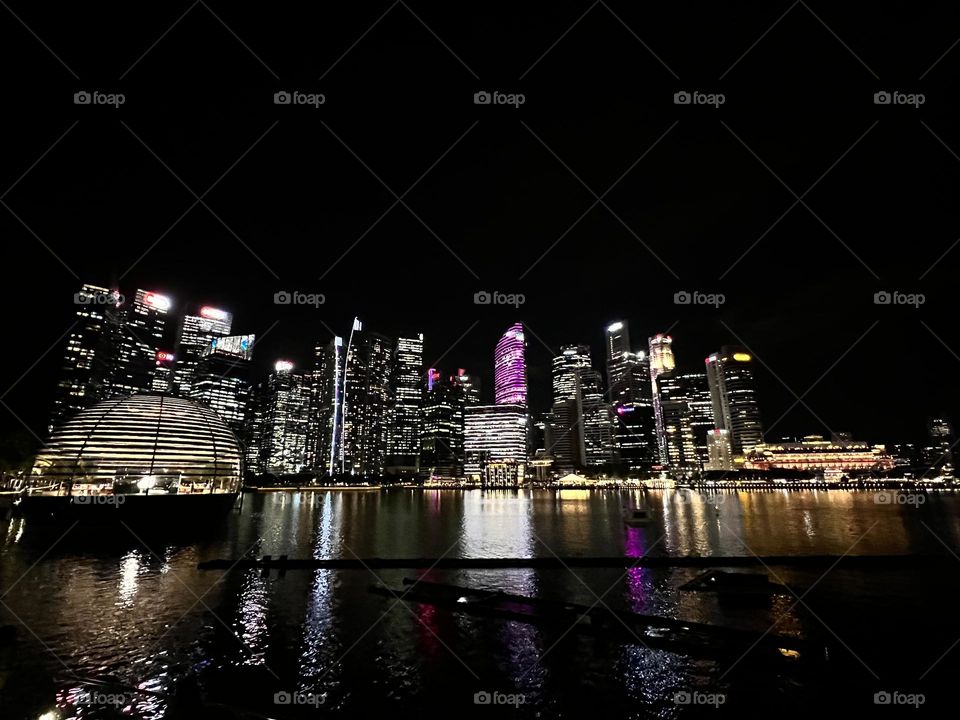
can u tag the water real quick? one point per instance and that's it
(138, 611)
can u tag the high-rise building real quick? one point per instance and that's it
(134, 336)
(510, 368)
(719, 453)
(699, 411)
(580, 426)
(734, 396)
(674, 402)
(938, 455)
(661, 361)
(494, 434)
(194, 335)
(443, 425)
(471, 386)
(221, 378)
(326, 406)
(631, 399)
(82, 370)
(366, 396)
(406, 398)
(278, 418)
(163, 373)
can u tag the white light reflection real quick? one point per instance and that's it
(129, 579)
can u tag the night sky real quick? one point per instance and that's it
(503, 198)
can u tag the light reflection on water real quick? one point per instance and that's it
(321, 631)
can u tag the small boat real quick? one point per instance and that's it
(637, 517)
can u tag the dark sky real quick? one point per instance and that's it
(291, 200)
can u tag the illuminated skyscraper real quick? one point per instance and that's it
(221, 378)
(581, 426)
(195, 334)
(443, 426)
(278, 418)
(631, 399)
(471, 386)
(734, 395)
(719, 453)
(699, 411)
(494, 434)
(510, 368)
(366, 396)
(406, 398)
(674, 402)
(326, 405)
(661, 361)
(135, 334)
(83, 368)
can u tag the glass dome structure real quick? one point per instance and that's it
(149, 444)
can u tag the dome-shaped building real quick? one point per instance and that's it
(135, 447)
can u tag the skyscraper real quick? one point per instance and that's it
(278, 420)
(494, 434)
(406, 398)
(366, 396)
(83, 360)
(443, 425)
(580, 426)
(134, 336)
(471, 386)
(194, 335)
(510, 368)
(674, 402)
(631, 399)
(326, 405)
(661, 361)
(734, 396)
(699, 411)
(221, 378)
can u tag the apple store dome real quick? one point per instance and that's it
(143, 444)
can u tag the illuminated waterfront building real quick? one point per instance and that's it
(365, 405)
(699, 411)
(471, 386)
(631, 400)
(278, 417)
(831, 457)
(135, 334)
(112, 350)
(661, 361)
(221, 378)
(326, 405)
(406, 398)
(734, 395)
(443, 426)
(938, 455)
(194, 335)
(673, 400)
(719, 452)
(494, 433)
(82, 370)
(510, 368)
(580, 427)
(163, 373)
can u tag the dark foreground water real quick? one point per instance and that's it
(138, 614)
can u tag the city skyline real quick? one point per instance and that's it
(678, 434)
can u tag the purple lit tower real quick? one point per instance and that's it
(510, 368)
